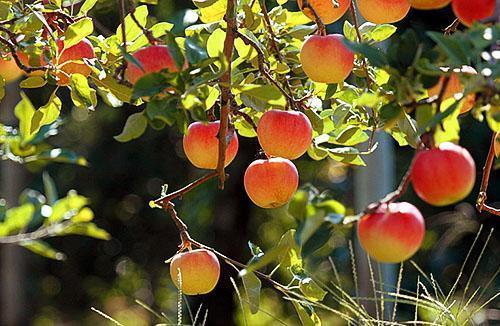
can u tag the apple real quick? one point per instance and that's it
(325, 9)
(383, 11)
(70, 60)
(444, 175)
(271, 182)
(470, 11)
(429, 4)
(199, 269)
(277, 128)
(154, 58)
(325, 59)
(393, 233)
(9, 69)
(201, 145)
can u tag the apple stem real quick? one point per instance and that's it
(452, 28)
(481, 199)
(317, 19)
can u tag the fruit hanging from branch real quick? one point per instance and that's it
(70, 60)
(383, 11)
(393, 233)
(327, 10)
(199, 271)
(468, 11)
(429, 4)
(444, 175)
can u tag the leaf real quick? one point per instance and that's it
(214, 12)
(60, 155)
(452, 47)
(134, 127)
(311, 290)
(264, 96)
(86, 229)
(43, 249)
(132, 31)
(16, 219)
(78, 31)
(306, 319)
(161, 110)
(33, 82)
(493, 117)
(317, 240)
(382, 32)
(150, 85)
(87, 5)
(122, 92)
(46, 115)
(83, 96)
(496, 145)
(252, 286)
(374, 55)
(438, 118)
(24, 111)
(49, 188)
(67, 207)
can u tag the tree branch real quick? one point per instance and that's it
(44, 232)
(317, 19)
(369, 81)
(15, 56)
(481, 199)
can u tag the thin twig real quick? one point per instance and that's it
(481, 199)
(317, 19)
(369, 81)
(20, 64)
(41, 233)
(180, 192)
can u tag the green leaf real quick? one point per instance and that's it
(67, 207)
(134, 127)
(83, 96)
(162, 110)
(215, 11)
(493, 118)
(132, 31)
(452, 47)
(33, 82)
(86, 229)
(311, 290)
(16, 219)
(43, 249)
(24, 111)
(252, 286)
(121, 92)
(150, 85)
(374, 55)
(382, 32)
(46, 115)
(49, 188)
(85, 8)
(262, 96)
(438, 118)
(60, 155)
(78, 31)
(306, 319)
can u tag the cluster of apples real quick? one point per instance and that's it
(440, 176)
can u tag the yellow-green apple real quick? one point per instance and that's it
(199, 271)
(154, 58)
(325, 9)
(470, 11)
(326, 59)
(9, 69)
(70, 60)
(272, 182)
(393, 233)
(201, 145)
(443, 175)
(429, 4)
(383, 11)
(286, 134)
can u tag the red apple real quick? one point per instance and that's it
(444, 175)
(201, 145)
(199, 271)
(325, 59)
(326, 9)
(70, 61)
(393, 233)
(153, 58)
(286, 134)
(429, 4)
(470, 11)
(272, 182)
(383, 11)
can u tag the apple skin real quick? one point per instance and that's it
(153, 58)
(469, 11)
(78, 52)
(383, 11)
(201, 145)
(393, 233)
(326, 10)
(325, 59)
(444, 175)
(429, 4)
(9, 70)
(271, 183)
(277, 127)
(200, 271)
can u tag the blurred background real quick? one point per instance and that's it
(123, 178)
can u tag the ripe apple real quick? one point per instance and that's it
(384, 11)
(277, 128)
(199, 269)
(444, 175)
(154, 58)
(201, 145)
(469, 11)
(9, 69)
(429, 4)
(67, 57)
(393, 233)
(271, 183)
(325, 9)
(325, 59)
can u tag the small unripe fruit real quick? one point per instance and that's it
(201, 145)
(469, 11)
(383, 11)
(153, 58)
(65, 63)
(393, 233)
(444, 175)
(285, 134)
(271, 183)
(199, 271)
(325, 9)
(429, 4)
(325, 59)
(9, 70)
